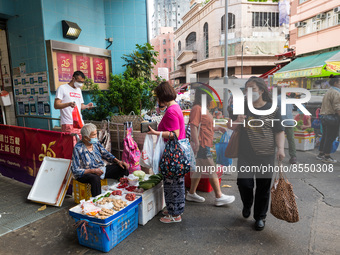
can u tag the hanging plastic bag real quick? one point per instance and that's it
(104, 136)
(158, 152)
(77, 122)
(220, 151)
(131, 153)
(335, 145)
(186, 147)
(147, 152)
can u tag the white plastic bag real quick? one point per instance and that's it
(160, 145)
(147, 153)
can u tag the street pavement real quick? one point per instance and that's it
(206, 229)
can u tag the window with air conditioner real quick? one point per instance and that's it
(316, 25)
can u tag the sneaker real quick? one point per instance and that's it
(224, 200)
(329, 160)
(320, 156)
(293, 160)
(194, 198)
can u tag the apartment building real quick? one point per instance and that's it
(254, 34)
(314, 34)
(164, 44)
(168, 13)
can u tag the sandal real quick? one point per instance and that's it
(171, 219)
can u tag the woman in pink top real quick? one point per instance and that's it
(173, 121)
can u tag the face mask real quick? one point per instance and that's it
(93, 140)
(299, 111)
(163, 110)
(78, 84)
(255, 96)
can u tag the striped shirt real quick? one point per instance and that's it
(83, 159)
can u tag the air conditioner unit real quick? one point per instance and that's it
(300, 24)
(321, 16)
(336, 9)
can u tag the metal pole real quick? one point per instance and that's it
(242, 61)
(225, 78)
(226, 44)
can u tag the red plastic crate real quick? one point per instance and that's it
(204, 184)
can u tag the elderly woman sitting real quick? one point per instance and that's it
(87, 161)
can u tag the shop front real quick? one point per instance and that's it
(310, 72)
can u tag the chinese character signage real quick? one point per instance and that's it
(99, 70)
(22, 150)
(65, 66)
(83, 64)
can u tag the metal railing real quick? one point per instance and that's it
(37, 117)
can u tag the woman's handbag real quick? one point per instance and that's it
(232, 149)
(330, 119)
(283, 205)
(174, 162)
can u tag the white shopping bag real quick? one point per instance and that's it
(147, 153)
(160, 145)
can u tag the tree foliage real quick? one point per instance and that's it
(130, 91)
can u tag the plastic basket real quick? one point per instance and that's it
(204, 184)
(104, 237)
(83, 190)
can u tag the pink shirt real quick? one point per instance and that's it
(173, 120)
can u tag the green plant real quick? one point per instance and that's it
(140, 62)
(309, 130)
(130, 91)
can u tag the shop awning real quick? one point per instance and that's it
(311, 66)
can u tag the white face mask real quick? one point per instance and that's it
(255, 96)
(78, 84)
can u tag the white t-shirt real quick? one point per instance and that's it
(67, 94)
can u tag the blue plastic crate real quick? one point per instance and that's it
(104, 237)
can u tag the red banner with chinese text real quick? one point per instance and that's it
(99, 69)
(22, 150)
(65, 66)
(83, 64)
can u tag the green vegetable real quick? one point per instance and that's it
(146, 186)
(107, 194)
(139, 174)
(155, 177)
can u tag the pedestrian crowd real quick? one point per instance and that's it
(258, 145)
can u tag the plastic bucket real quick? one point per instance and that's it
(6, 100)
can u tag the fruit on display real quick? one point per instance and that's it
(116, 193)
(123, 180)
(130, 197)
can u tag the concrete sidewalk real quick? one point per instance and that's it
(207, 229)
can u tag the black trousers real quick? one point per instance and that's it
(246, 184)
(113, 171)
(329, 134)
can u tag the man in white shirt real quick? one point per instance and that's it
(67, 97)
